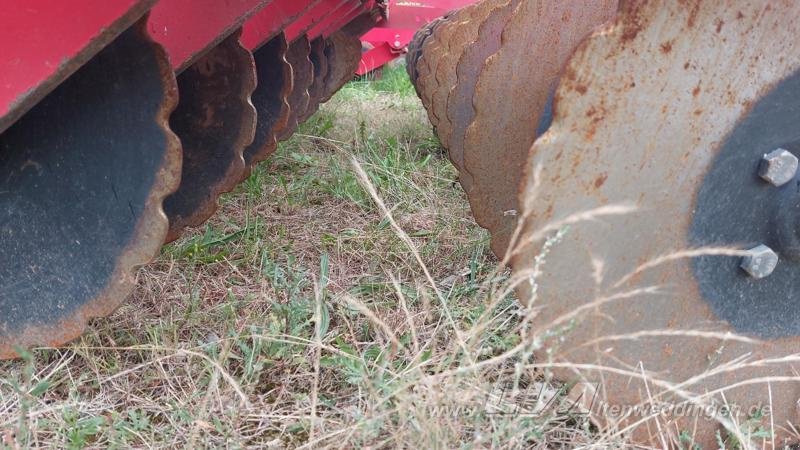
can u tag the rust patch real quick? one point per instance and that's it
(600, 181)
(719, 23)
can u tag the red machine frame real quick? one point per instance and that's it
(389, 39)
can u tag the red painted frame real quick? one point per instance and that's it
(43, 41)
(313, 17)
(188, 28)
(389, 40)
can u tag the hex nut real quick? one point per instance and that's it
(778, 167)
(759, 262)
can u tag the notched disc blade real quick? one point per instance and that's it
(270, 99)
(509, 100)
(84, 174)
(298, 57)
(455, 41)
(215, 122)
(432, 51)
(669, 110)
(320, 63)
(344, 56)
(460, 111)
(415, 48)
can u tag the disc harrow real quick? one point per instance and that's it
(100, 162)
(654, 165)
(695, 140)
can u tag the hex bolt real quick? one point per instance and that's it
(759, 262)
(778, 167)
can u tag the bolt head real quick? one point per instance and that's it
(778, 167)
(759, 262)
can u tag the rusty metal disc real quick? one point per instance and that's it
(433, 49)
(415, 47)
(460, 110)
(509, 100)
(662, 120)
(298, 57)
(456, 39)
(344, 55)
(84, 174)
(320, 64)
(270, 99)
(215, 122)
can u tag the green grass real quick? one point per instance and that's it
(300, 316)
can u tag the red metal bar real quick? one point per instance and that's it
(268, 22)
(376, 57)
(335, 17)
(312, 18)
(405, 18)
(45, 41)
(188, 28)
(366, 6)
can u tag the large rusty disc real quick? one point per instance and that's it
(215, 122)
(344, 55)
(298, 57)
(320, 63)
(460, 110)
(669, 110)
(456, 39)
(84, 174)
(509, 101)
(270, 99)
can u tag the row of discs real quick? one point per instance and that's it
(228, 122)
(589, 132)
(186, 140)
(478, 55)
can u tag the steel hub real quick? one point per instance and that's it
(735, 206)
